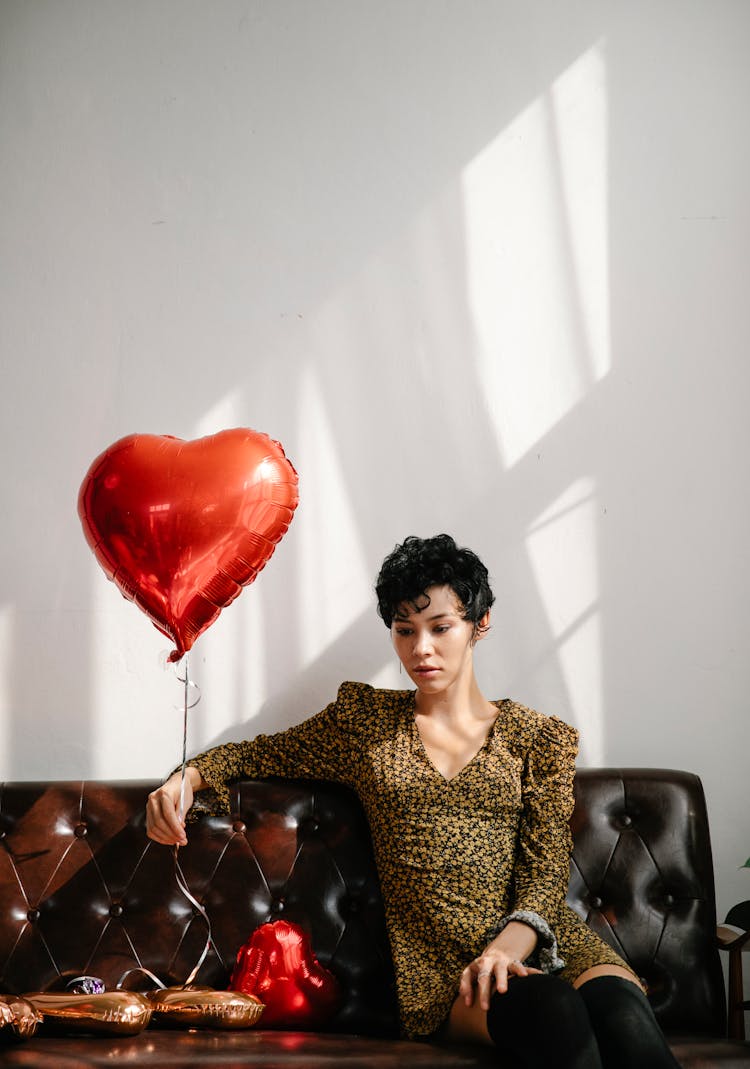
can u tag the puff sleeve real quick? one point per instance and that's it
(323, 747)
(542, 863)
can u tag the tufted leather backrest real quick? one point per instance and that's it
(641, 875)
(82, 890)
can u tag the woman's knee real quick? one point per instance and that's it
(612, 995)
(607, 970)
(624, 1024)
(530, 1001)
(543, 1020)
(540, 1000)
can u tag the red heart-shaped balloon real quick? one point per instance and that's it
(278, 966)
(181, 527)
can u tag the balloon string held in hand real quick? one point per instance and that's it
(191, 697)
(187, 704)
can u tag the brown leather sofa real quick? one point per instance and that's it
(84, 891)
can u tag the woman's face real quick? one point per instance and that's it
(435, 644)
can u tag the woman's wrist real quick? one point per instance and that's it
(517, 940)
(193, 777)
(197, 781)
(546, 953)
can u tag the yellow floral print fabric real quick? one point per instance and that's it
(454, 856)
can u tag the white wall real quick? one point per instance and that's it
(480, 266)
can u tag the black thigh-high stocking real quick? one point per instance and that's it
(624, 1025)
(543, 1023)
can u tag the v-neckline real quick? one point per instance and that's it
(417, 735)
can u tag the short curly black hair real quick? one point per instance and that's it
(419, 563)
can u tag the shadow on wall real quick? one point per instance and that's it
(398, 243)
(403, 435)
(244, 193)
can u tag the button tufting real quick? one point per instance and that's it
(33, 915)
(596, 902)
(80, 831)
(278, 905)
(115, 910)
(239, 826)
(310, 826)
(668, 901)
(626, 820)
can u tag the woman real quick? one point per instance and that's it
(468, 803)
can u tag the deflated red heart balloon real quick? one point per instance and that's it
(182, 526)
(278, 966)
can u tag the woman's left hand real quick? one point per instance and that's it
(490, 972)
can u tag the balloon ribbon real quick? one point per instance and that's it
(179, 875)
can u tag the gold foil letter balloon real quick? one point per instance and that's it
(202, 1007)
(18, 1018)
(121, 1013)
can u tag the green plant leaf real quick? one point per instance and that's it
(746, 865)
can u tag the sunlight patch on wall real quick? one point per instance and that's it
(563, 553)
(133, 691)
(230, 661)
(138, 696)
(580, 657)
(108, 668)
(537, 257)
(333, 571)
(221, 416)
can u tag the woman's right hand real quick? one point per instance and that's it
(163, 823)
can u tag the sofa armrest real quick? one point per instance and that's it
(734, 941)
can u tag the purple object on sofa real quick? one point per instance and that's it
(84, 891)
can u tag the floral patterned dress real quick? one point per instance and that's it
(457, 858)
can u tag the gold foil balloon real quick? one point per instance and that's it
(202, 1007)
(18, 1018)
(120, 1013)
